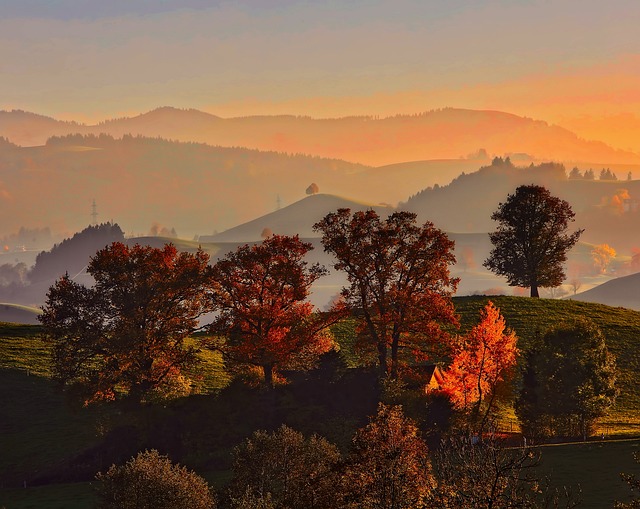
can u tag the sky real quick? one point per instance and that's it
(571, 62)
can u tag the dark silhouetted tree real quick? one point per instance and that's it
(575, 173)
(531, 243)
(313, 189)
(264, 319)
(589, 174)
(399, 283)
(151, 481)
(569, 381)
(126, 335)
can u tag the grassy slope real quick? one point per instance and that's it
(528, 317)
(38, 429)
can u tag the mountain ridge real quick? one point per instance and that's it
(445, 133)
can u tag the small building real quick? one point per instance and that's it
(426, 377)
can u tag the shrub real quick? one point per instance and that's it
(151, 481)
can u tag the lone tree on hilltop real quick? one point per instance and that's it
(399, 283)
(531, 243)
(125, 335)
(264, 319)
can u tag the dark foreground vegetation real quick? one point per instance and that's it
(56, 447)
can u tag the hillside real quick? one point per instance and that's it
(15, 313)
(621, 291)
(53, 445)
(606, 209)
(295, 219)
(438, 134)
(143, 182)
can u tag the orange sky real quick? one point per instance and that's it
(575, 63)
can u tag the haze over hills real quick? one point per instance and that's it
(622, 291)
(447, 133)
(295, 219)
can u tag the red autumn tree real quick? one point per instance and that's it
(126, 334)
(399, 283)
(264, 318)
(481, 361)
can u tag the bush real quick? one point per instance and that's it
(151, 481)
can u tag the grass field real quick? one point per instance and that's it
(39, 428)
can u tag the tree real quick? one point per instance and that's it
(388, 466)
(126, 334)
(482, 360)
(151, 481)
(569, 381)
(399, 283)
(286, 469)
(575, 173)
(531, 243)
(491, 475)
(589, 174)
(313, 189)
(602, 255)
(264, 319)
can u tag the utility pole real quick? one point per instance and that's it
(94, 213)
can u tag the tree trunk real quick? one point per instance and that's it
(382, 357)
(534, 290)
(394, 358)
(268, 375)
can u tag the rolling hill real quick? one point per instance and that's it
(622, 291)
(295, 219)
(438, 134)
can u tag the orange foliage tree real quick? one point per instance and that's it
(399, 283)
(263, 317)
(126, 335)
(482, 360)
(602, 255)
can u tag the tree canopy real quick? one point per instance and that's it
(482, 359)
(531, 243)
(264, 319)
(151, 481)
(568, 382)
(126, 334)
(399, 283)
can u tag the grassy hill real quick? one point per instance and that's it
(43, 435)
(621, 327)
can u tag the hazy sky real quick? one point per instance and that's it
(567, 61)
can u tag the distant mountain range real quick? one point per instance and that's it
(447, 133)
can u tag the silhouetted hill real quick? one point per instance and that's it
(72, 255)
(439, 134)
(621, 291)
(609, 211)
(195, 188)
(295, 219)
(15, 313)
